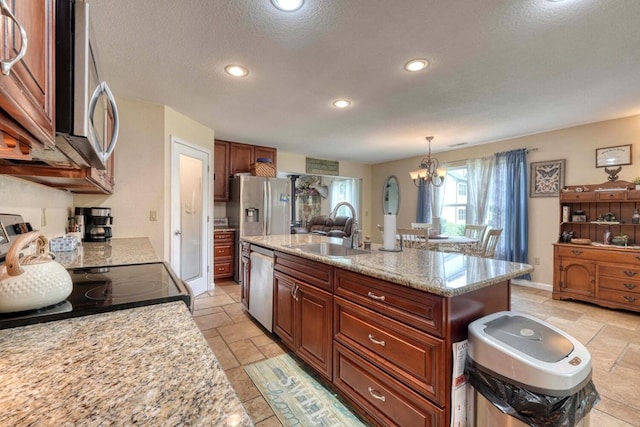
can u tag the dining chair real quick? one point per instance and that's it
(421, 225)
(475, 232)
(414, 237)
(490, 243)
(411, 237)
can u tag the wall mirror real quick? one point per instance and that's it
(391, 196)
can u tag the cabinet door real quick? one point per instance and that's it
(221, 171)
(283, 308)
(27, 93)
(240, 158)
(314, 334)
(577, 276)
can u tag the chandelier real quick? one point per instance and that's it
(429, 172)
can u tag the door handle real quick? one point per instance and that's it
(178, 232)
(104, 152)
(8, 64)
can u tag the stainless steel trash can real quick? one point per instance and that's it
(527, 372)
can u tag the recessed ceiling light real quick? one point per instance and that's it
(236, 70)
(416, 65)
(341, 103)
(288, 5)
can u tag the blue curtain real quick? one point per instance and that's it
(423, 213)
(512, 198)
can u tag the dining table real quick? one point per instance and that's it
(451, 243)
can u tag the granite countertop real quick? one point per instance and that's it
(115, 252)
(441, 273)
(147, 366)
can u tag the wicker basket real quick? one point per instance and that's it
(263, 169)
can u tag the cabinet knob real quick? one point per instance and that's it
(630, 299)
(576, 252)
(630, 285)
(630, 273)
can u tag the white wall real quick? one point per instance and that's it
(45, 208)
(139, 174)
(577, 145)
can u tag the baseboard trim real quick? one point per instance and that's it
(531, 284)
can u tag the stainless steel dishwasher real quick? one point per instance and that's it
(261, 286)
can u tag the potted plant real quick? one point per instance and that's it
(636, 181)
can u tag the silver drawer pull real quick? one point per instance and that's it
(629, 299)
(376, 395)
(375, 341)
(630, 273)
(376, 297)
(629, 285)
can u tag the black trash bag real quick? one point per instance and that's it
(534, 409)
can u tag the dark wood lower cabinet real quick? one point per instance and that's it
(384, 346)
(302, 320)
(385, 399)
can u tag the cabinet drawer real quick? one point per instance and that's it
(382, 397)
(308, 271)
(622, 285)
(421, 310)
(626, 272)
(611, 195)
(223, 269)
(412, 356)
(577, 196)
(223, 250)
(621, 298)
(223, 236)
(610, 254)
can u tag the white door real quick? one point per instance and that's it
(190, 204)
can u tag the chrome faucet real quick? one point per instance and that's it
(354, 239)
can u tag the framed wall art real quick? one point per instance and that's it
(547, 178)
(613, 156)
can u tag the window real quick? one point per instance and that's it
(454, 205)
(462, 189)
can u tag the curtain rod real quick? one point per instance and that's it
(528, 150)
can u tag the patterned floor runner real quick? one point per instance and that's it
(296, 397)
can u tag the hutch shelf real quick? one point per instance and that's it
(594, 271)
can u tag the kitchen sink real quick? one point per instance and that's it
(328, 249)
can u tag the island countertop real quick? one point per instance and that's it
(441, 273)
(134, 250)
(147, 366)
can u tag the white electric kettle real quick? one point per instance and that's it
(34, 281)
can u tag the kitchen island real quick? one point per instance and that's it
(147, 365)
(380, 326)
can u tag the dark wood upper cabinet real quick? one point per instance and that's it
(27, 91)
(221, 171)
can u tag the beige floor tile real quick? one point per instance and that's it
(245, 351)
(241, 382)
(605, 353)
(608, 412)
(631, 358)
(258, 409)
(270, 422)
(583, 330)
(265, 339)
(224, 355)
(620, 385)
(237, 312)
(210, 333)
(240, 331)
(272, 350)
(216, 320)
(215, 301)
(207, 310)
(614, 332)
(618, 318)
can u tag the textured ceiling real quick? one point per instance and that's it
(499, 69)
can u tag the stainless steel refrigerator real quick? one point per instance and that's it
(258, 206)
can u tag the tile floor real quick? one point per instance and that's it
(612, 337)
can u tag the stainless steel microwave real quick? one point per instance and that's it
(87, 121)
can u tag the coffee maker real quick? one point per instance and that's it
(96, 223)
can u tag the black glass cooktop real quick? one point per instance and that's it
(108, 288)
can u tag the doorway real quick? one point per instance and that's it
(191, 233)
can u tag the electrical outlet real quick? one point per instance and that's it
(153, 215)
(536, 260)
